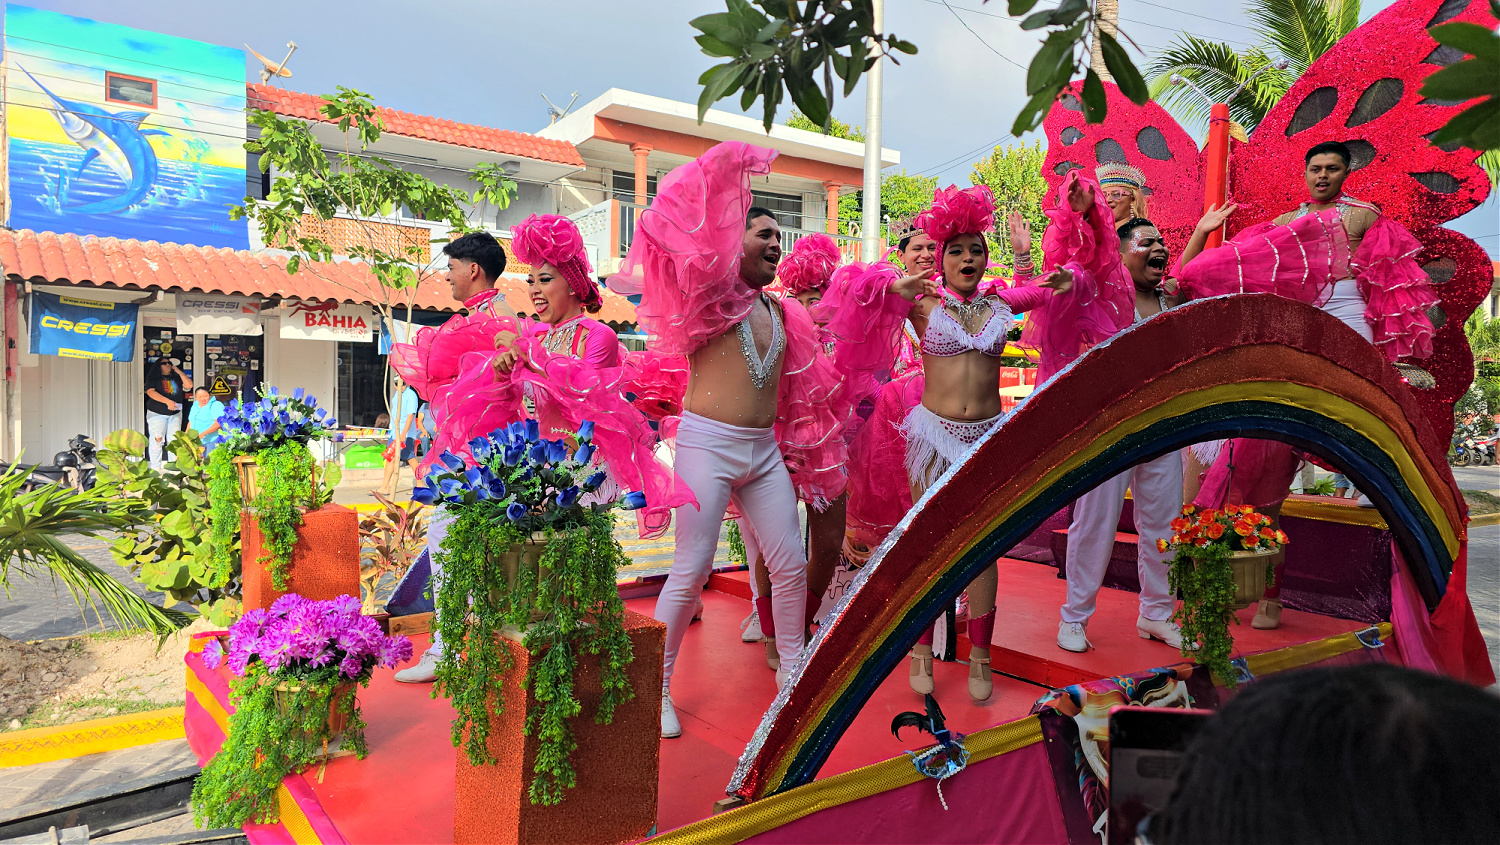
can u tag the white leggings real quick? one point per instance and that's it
(438, 521)
(1156, 488)
(723, 462)
(1345, 303)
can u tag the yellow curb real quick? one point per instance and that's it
(1484, 519)
(44, 745)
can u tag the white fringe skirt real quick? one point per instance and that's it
(934, 443)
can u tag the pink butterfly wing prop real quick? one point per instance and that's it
(1146, 138)
(1365, 93)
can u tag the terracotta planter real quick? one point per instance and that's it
(336, 719)
(617, 765)
(1249, 572)
(324, 564)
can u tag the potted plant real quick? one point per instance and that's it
(526, 557)
(393, 536)
(261, 461)
(1222, 564)
(297, 666)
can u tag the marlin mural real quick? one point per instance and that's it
(116, 140)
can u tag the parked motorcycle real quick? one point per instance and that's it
(1484, 452)
(1462, 454)
(75, 469)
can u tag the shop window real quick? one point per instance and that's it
(257, 184)
(130, 90)
(361, 372)
(786, 207)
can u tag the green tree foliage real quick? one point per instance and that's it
(32, 527)
(1478, 76)
(1484, 340)
(836, 128)
(1014, 174)
(902, 197)
(172, 552)
(1298, 31)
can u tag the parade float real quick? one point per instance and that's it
(817, 761)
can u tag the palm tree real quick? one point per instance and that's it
(1298, 31)
(1106, 19)
(31, 528)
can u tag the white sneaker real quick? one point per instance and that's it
(670, 727)
(1364, 501)
(1071, 636)
(424, 671)
(750, 629)
(1165, 630)
(782, 674)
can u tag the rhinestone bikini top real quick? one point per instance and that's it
(945, 336)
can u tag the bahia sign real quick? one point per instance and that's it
(306, 320)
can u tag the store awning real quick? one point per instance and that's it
(67, 259)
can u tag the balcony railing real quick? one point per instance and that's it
(625, 220)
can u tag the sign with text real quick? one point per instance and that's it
(327, 321)
(71, 327)
(209, 313)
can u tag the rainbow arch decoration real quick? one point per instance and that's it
(1247, 365)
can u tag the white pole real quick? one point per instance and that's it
(870, 211)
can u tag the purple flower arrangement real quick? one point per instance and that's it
(522, 477)
(252, 426)
(309, 640)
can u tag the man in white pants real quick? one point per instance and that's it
(475, 262)
(1155, 487)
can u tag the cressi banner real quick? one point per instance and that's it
(71, 327)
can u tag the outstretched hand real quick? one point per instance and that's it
(1215, 217)
(1020, 234)
(1059, 280)
(916, 285)
(1080, 196)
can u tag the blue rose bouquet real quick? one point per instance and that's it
(523, 552)
(534, 483)
(262, 461)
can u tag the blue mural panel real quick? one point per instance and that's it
(120, 132)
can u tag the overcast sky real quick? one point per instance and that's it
(489, 61)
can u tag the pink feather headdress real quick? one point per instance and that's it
(812, 261)
(554, 239)
(954, 212)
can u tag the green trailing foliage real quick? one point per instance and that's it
(174, 551)
(269, 740)
(223, 513)
(285, 479)
(573, 592)
(32, 527)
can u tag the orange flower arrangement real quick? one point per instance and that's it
(1239, 527)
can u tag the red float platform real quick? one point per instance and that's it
(403, 791)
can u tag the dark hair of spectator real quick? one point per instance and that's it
(480, 248)
(1326, 148)
(1374, 754)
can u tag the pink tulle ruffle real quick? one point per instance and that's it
(657, 381)
(684, 260)
(866, 321)
(810, 264)
(1298, 260)
(879, 495)
(812, 410)
(1397, 292)
(958, 211)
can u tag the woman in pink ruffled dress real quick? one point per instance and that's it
(962, 323)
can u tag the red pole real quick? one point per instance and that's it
(1216, 181)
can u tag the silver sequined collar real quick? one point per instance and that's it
(761, 368)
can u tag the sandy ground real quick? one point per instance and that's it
(57, 682)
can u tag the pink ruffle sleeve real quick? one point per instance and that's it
(879, 495)
(657, 381)
(867, 324)
(1102, 299)
(812, 410)
(601, 346)
(1397, 292)
(684, 260)
(1298, 260)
